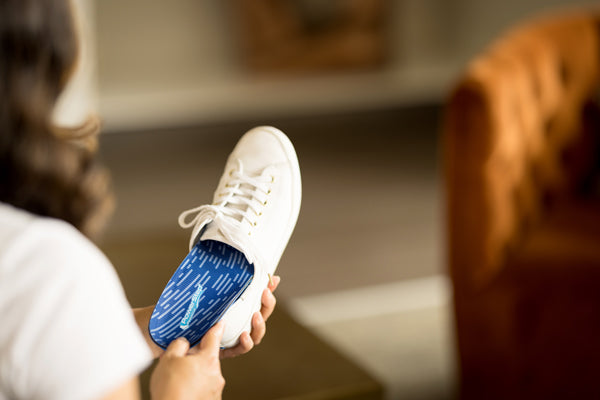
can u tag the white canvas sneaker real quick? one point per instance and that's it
(254, 210)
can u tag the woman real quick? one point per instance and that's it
(67, 331)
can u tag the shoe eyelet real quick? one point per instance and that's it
(272, 178)
(254, 223)
(249, 233)
(269, 191)
(231, 172)
(265, 203)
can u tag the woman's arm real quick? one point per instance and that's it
(142, 317)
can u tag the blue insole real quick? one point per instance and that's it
(209, 279)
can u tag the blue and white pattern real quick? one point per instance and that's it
(209, 280)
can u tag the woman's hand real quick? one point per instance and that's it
(247, 341)
(181, 376)
(259, 327)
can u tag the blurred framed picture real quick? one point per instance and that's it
(311, 35)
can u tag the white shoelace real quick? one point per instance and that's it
(243, 199)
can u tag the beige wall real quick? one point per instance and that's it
(175, 62)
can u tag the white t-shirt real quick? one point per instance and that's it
(66, 328)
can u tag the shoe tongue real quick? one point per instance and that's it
(212, 232)
(251, 165)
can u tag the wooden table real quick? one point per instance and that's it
(293, 363)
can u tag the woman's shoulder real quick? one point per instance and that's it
(63, 300)
(16, 223)
(31, 241)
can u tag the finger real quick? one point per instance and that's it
(274, 282)
(259, 328)
(211, 341)
(245, 345)
(177, 348)
(268, 304)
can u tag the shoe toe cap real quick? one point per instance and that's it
(261, 147)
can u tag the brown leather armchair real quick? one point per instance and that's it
(521, 150)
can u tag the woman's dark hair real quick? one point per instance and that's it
(40, 171)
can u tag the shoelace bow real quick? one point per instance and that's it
(243, 199)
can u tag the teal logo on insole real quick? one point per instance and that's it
(185, 322)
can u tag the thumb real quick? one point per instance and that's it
(178, 347)
(211, 342)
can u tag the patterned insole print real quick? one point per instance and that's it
(210, 279)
